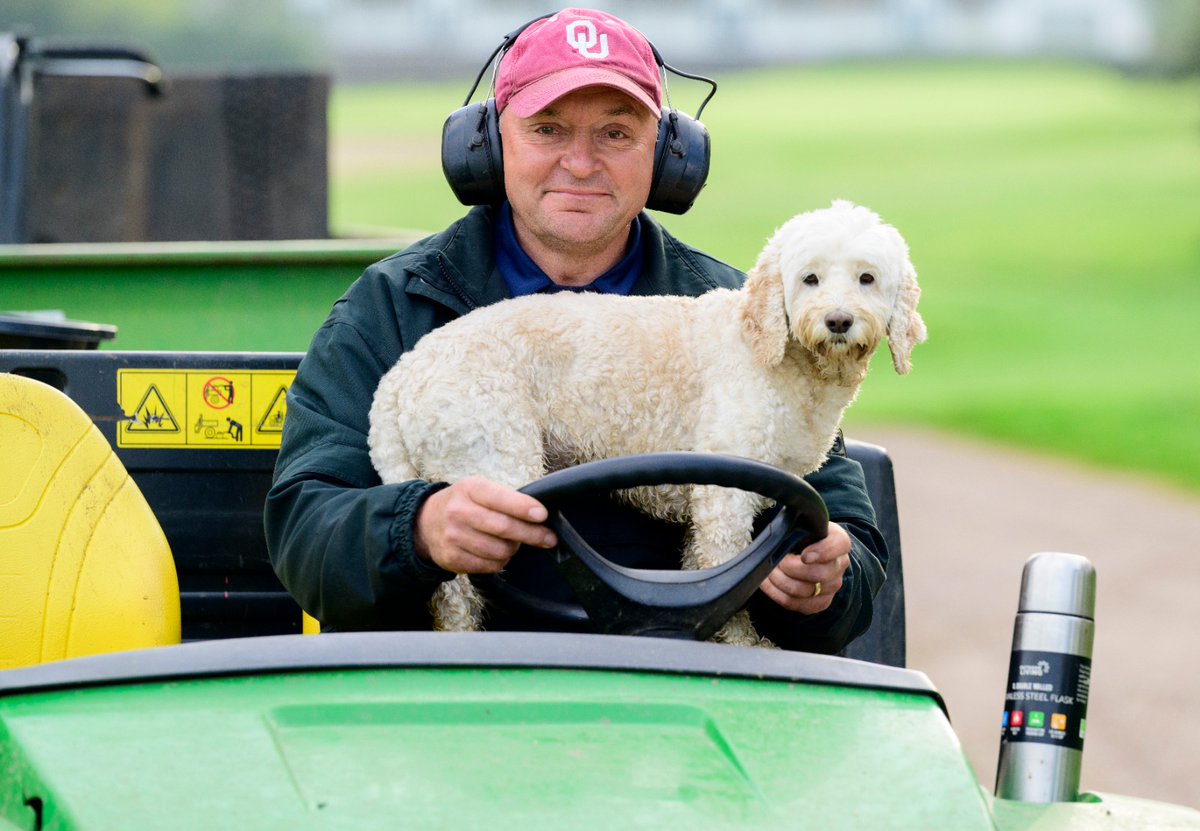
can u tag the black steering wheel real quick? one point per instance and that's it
(692, 605)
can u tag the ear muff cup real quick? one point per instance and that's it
(473, 163)
(471, 157)
(681, 159)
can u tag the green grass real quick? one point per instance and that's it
(1052, 211)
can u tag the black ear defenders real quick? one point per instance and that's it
(474, 165)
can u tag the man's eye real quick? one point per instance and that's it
(616, 135)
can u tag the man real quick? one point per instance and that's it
(578, 96)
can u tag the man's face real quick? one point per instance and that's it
(579, 171)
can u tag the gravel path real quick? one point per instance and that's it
(970, 515)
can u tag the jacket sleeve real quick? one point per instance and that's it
(841, 484)
(340, 540)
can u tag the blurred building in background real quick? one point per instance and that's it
(378, 39)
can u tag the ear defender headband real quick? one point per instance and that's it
(474, 166)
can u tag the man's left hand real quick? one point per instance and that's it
(806, 582)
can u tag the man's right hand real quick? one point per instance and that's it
(476, 525)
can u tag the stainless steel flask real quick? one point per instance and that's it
(1045, 705)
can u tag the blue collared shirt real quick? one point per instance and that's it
(523, 276)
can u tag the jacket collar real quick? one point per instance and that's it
(462, 275)
(459, 265)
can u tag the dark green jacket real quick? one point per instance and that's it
(341, 542)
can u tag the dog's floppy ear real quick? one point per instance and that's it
(764, 320)
(905, 327)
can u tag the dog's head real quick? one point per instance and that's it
(837, 281)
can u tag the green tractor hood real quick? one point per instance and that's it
(491, 730)
(498, 730)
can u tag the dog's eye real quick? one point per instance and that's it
(866, 278)
(811, 279)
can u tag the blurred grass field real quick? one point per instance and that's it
(1052, 211)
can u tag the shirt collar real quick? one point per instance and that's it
(524, 276)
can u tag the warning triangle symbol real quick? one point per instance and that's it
(152, 415)
(272, 420)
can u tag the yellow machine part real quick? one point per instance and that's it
(84, 565)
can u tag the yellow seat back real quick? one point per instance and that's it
(84, 565)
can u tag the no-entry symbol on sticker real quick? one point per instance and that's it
(218, 392)
(198, 409)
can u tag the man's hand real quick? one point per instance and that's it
(476, 525)
(793, 584)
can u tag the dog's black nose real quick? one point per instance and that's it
(839, 322)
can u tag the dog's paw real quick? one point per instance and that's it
(739, 631)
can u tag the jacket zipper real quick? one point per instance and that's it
(455, 287)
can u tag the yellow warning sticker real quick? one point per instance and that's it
(202, 409)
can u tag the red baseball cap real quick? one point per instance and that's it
(573, 49)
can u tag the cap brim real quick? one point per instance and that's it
(539, 95)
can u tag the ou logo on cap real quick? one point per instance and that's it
(582, 37)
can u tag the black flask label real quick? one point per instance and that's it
(1046, 699)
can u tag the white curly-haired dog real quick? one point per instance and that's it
(765, 372)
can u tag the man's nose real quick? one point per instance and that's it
(580, 157)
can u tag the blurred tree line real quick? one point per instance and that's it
(179, 34)
(1178, 24)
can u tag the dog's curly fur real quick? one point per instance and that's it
(766, 371)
